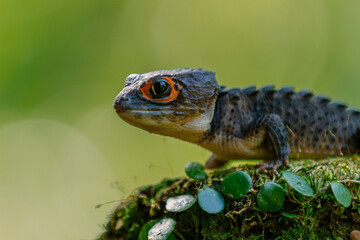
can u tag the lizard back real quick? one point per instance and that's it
(316, 127)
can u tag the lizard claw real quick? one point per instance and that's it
(286, 163)
(272, 166)
(274, 171)
(262, 167)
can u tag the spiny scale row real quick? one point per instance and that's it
(288, 92)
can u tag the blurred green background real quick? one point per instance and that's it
(62, 147)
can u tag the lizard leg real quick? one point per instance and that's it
(213, 162)
(276, 135)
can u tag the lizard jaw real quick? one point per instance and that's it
(168, 123)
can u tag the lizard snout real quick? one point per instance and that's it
(119, 103)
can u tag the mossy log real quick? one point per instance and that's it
(317, 217)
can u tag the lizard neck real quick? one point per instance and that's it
(206, 140)
(193, 130)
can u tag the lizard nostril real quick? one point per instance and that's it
(119, 103)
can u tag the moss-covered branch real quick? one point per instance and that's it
(301, 217)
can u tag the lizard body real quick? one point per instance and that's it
(249, 123)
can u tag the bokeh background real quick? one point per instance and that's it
(62, 147)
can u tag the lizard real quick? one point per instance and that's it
(238, 123)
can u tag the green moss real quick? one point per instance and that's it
(319, 217)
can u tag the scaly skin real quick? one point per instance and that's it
(250, 123)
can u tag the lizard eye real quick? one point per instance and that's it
(160, 89)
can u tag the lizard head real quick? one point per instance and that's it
(169, 102)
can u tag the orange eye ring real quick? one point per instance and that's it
(174, 90)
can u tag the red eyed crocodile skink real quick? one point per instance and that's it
(238, 123)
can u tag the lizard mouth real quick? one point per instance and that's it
(141, 116)
(153, 112)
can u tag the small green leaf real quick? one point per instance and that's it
(271, 197)
(236, 185)
(341, 193)
(298, 183)
(180, 203)
(162, 230)
(289, 215)
(171, 237)
(143, 234)
(210, 200)
(195, 170)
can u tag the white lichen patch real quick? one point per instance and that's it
(162, 229)
(180, 203)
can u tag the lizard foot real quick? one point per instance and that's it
(272, 166)
(213, 162)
